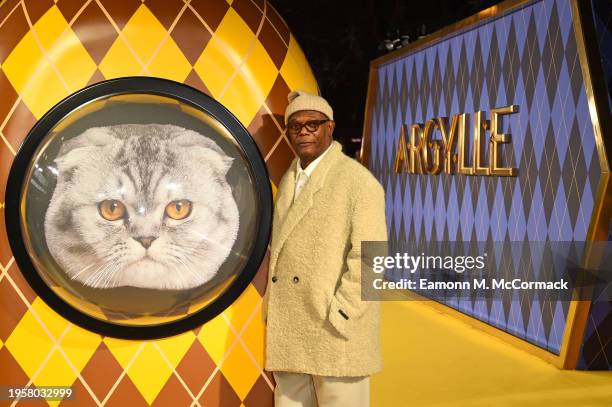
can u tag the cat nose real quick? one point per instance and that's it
(145, 241)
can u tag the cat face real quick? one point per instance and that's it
(141, 205)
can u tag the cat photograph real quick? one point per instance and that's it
(141, 205)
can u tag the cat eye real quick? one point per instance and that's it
(111, 209)
(179, 209)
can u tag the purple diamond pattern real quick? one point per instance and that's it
(527, 57)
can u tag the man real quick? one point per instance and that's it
(322, 340)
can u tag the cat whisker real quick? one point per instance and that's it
(100, 273)
(189, 269)
(105, 275)
(102, 261)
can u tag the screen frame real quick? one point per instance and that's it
(151, 86)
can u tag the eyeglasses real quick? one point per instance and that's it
(294, 128)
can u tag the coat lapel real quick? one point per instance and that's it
(289, 215)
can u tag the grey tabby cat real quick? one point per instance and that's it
(145, 206)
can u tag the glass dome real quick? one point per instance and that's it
(139, 208)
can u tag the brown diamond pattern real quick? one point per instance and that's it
(190, 40)
(165, 10)
(277, 98)
(126, 394)
(121, 10)
(9, 95)
(261, 277)
(7, 7)
(11, 32)
(260, 4)
(19, 125)
(81, 396)
(12, 309)
(249, 12)
(260, 394)
(219, 393)
(69, 8)
(11, 373)
(101, 361)
(172, 394)
(37, 8)
(97, 77)
(273, 43)
(95, 32)
(6, 159)
(279, 24)
(211, 11)
(19, 280)
(279, 161)
(193, 80)
(261, 128)
(196, 367)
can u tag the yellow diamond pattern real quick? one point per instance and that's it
(296, 73)
(51, 320)
(48, 63)
(234, 35)
(119, 61)
(79, 345)
(149, 372)
(224, 54)
(242, 309)
(216, 337)
(175, 347)
(144, 32)
(56, 372)
(215, 67)
(240, 371)
(251, 336)
(256, 78)
(123, 350)
(33, 77)
(177, 70)
(50, 26)
(29, 343)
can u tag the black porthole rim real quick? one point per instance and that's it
(151, 86)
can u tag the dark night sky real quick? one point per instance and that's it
(341, 37)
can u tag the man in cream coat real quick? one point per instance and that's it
(322, 340)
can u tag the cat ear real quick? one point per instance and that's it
(205, 149)
(83, 147)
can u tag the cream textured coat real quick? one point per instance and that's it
(316, 320)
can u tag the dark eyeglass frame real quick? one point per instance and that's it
(311, 126)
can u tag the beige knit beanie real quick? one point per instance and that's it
(300, 100)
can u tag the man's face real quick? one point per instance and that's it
(308, 144)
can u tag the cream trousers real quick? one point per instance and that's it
(305, 390)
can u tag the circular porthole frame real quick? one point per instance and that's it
(150, 86)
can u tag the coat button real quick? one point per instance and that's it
(274, 279)
(296, 279)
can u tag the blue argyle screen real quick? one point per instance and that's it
(526, 57)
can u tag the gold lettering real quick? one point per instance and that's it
(401, 155)
(448, 139)
(424, 152)
(497, 139)
(478, 158)
(426, 144)
(463, 168)
(416, 133)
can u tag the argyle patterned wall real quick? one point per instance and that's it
(526, 57)
(596, 350)
(240, 52)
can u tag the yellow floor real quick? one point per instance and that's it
(433, 359)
